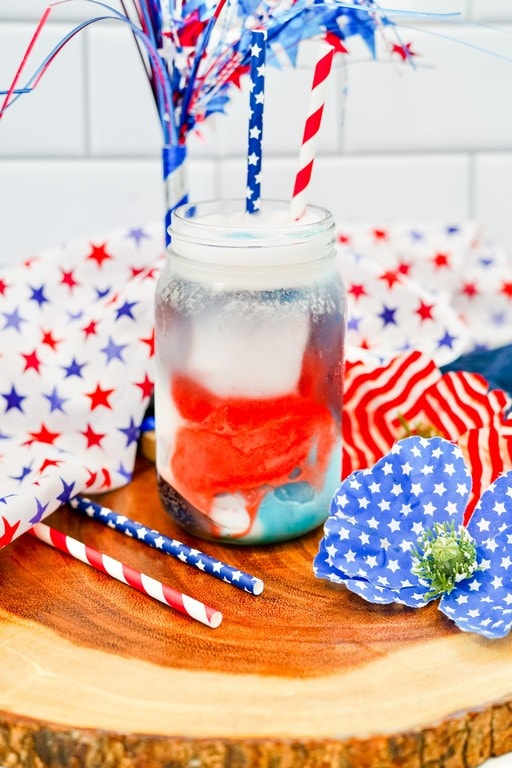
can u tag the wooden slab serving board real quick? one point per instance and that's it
(94, 674)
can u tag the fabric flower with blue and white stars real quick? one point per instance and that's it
(395, 534)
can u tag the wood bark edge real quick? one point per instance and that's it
(462, 741)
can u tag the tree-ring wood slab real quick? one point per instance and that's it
(94, 674)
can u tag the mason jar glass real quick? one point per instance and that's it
(250, 321)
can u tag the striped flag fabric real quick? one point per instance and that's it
(410, 396)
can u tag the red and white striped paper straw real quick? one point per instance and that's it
(128, 575)
(311, 129)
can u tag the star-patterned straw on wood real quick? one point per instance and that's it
(170, 546)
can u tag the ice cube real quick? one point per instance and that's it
(228, 512)
(248, 358)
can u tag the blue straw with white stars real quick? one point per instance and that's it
(173, 547)
(256, 102)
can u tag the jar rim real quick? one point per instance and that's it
(200, 218)
(199, 241)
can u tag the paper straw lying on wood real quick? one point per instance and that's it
(173, 547)
(128, 575)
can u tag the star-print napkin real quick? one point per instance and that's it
(443, 289)
(76, 371)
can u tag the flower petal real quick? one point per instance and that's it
(483, 603)
(377, 515)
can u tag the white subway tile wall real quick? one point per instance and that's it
(80, 155)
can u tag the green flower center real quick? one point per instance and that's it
(419, 429)
(444, 556)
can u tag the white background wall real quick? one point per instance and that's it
(80, 155)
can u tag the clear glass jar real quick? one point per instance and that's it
(250, 321)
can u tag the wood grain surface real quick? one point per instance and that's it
(94, 674)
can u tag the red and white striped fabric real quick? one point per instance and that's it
(409, 395)
(488, 454)
(373, 400)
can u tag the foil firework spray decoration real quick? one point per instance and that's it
(195, 52)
